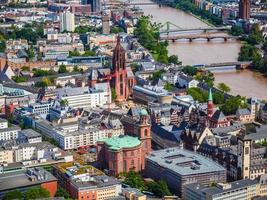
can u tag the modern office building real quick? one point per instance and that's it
(84, 97)
(241, 190)
(244, 9)
(24, 179)
(67, 21)
(179, 167)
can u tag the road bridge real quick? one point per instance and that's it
(223, 28)
(190, 37)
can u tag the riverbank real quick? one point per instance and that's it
(189, 7)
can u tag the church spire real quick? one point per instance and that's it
(210, 95)
(210, 105)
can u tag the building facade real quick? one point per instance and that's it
(120, 154)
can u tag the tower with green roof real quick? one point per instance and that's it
(210, 104)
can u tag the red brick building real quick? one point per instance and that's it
(121, 82)
(137, 123)
(120, 154)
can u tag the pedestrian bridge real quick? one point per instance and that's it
(226, 65)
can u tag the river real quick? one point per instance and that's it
(245, 83)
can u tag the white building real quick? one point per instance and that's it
(8, 133)
(41, 108)
(186, 81)
(74, 135)
(84, 97)
(67, 21)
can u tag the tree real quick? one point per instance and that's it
(61, 192)
(255, 37)
(135, 180)
(76, 69)
(173, 59)
(236, 30)
(116, 30)
(64, 102)
(31, 53)
(190, 70)
(14, 194)
(169, 87)
(157, 74)
(19, 79)
(159, 188)
(62, 69)
(223, 87)
(113, 94)
(232, 104)
(25, 68)
(74, 53)
(35, 193)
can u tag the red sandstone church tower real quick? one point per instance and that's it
(244, 9)
(144, 134)
(119, 79)
(210, 105)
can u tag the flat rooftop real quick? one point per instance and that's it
(184, 162)
(21, 178)
(30, 133)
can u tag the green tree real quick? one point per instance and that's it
(159, 188)
(116, 30)
(223, 87)
(61, 192)
(2, 46)
(62, 69)
(148, 35)
(169, 87)
(173, 59)
(236, 30)
(135, 180)
(251, 53)
(14, 194)
(113, 94)
(198, 94)
(190, 70)
(19, 79)
(31, 53)
(157, 74)
(89, 53)
(64, 102)
(232, 104)
(35, 193)
(25, 68)
(255, 36)
(74, 53)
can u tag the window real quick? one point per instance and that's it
(247, 150)
(146, 132)
(132, 162)
(124, 165)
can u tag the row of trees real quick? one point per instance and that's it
(188, 6)
(135, 180)
(86, 53)
(249, 52)
(32, 193)
(148, 35)
(227, 106)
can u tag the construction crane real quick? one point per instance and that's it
(108, 78)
